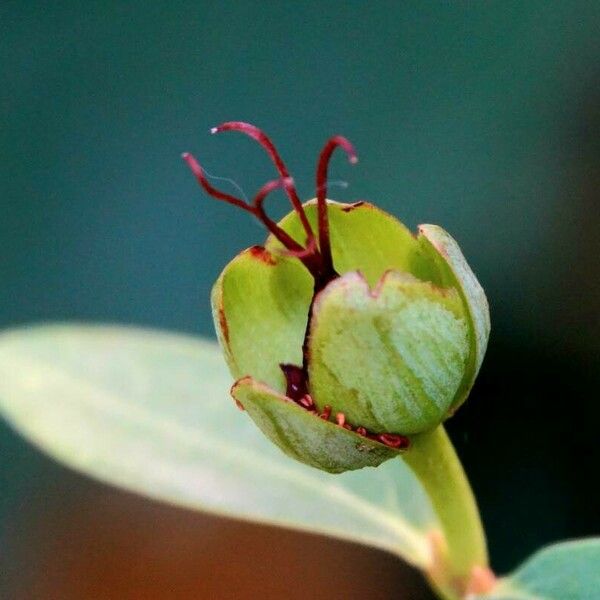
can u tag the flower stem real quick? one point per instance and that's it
(459, 545)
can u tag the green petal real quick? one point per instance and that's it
(392, 359)
(303, 435)
(459, 275)
(366, 239)
(260, 307)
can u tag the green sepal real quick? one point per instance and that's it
(261, 300)
(260, 308)
(458, 274)
(392, 358)
(367, 239)
(303, 435)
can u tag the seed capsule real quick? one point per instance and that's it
(344, 312)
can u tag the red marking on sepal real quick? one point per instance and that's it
(262, 254)
(350, 207)
(223, 325)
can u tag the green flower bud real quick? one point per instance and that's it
(345, 343)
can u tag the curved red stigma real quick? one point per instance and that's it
(309, 256)
(322, 216)
(198, 172)
(316, 256)
(263, 139)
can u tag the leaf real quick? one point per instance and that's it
(565, 571)
(150, 412)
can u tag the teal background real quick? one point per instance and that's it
(483, 117)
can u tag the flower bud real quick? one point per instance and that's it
(345, 333)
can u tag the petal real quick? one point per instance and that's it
(303, 435)
(260, 307)
(460, 276)
(393, 359)
(367, 239)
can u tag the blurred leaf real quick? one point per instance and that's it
(151, 412)
(565, 571)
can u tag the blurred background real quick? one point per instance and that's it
(483, 117)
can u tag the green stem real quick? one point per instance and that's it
(460, 545)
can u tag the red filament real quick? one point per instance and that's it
(322, 216)
(307, 402)
(256, 134)
(393, 441)
(257, 204)
(326, 413)
(316, 258)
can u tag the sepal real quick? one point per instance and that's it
(459, 274)
(304, 435)
(390, 358)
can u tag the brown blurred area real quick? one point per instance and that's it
(75, 539)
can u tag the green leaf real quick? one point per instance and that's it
(565, 571)
(151, 412)
(391, 359)
(306, 437)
